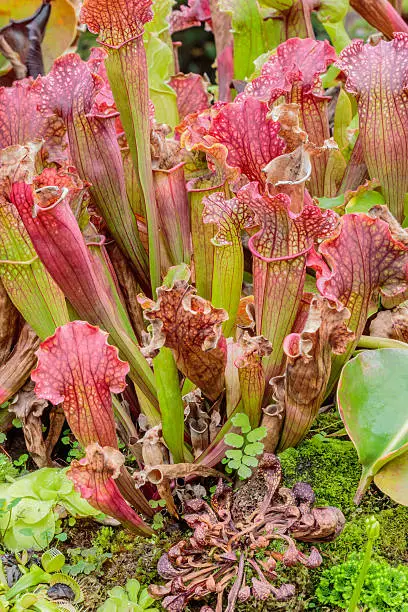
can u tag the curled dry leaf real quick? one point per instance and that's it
(229, 533)
(29, 409)
(15, 371)
(153, 448)
(162, 475)
(156, 473)
(391, 323)
(191, 327)
(24, 37)
(300, 391)
(9, 322)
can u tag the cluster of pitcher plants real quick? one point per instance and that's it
(175, 253)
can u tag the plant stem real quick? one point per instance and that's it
(373, 531)
(375, 342)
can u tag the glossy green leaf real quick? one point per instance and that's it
(176, 273)
(362, 202)
(342, 119)
(161, 11)
(392, 479)
(331, 203)
(160, 66)
(331, 13)
(372, 398)
(247, 30)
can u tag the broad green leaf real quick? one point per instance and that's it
(133, 588)
(362, 202)
(234, 465)
(40, 537)
(279, 5)
(161, 12)
(257, 434)
(145, 601)
(333, 10)
(247, 30)
(235, 440)
(48, 484)
(331, 14)
(160, 67)
(372, 398)
(392, 479)
(258, 63)
(241, 420)
(254, 449)
(331, 203)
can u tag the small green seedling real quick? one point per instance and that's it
(132, 598)
(242, 457)
(157, 503)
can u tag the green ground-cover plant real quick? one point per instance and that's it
(28, 514)
(385, 586)
(245, 446)
(132, 598)
(85, 561)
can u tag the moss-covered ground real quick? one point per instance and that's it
(329, 463)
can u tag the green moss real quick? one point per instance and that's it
(330, 466)
(385, 587)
